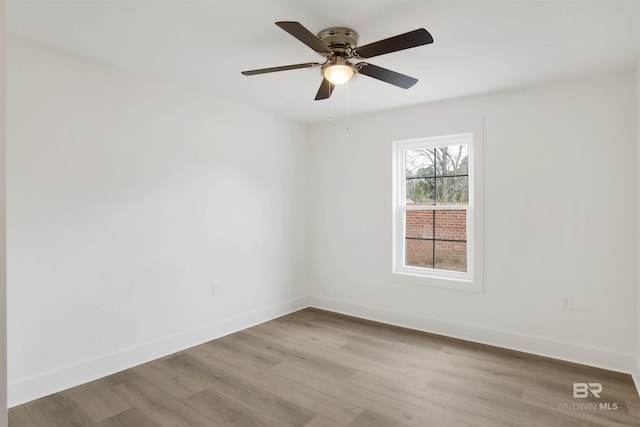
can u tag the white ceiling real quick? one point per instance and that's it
(479, 45)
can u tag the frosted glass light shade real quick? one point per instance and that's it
(338, 73)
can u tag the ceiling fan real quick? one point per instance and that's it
(338, 45)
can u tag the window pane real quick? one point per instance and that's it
(419, 162)
(418, 228)
(452, 160)
(420, 191)
(451, 255)
(452, 190)
(419, 253)
(451, 225)
(419, 224)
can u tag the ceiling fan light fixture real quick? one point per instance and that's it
(338, 72)
(340, 44)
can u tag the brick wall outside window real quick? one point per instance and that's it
(447, 238)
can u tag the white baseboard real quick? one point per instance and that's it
(43, 384)
(571, 352)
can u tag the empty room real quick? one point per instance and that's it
(320, 213)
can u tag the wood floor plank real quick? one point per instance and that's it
(320, 421)
(290, 348)
(370, 351)
(98, 400)
(178, 386)
(233, 349)
(337, 410)
(120, 377)
(315, 368)
(271, 406)
(374, 419)
(440, 409)
(381, 331)
(388, 387)
(57, 410)
(129, 418)
(386, 335)
(223, 411)
(158, 405)
(353, 362)
(445, 408)
(470, 385)
(340, 388)
(633, 407)
(19, 416)
(306, 331)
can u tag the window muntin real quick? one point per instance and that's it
(437, 175)
(436, 239)
(433, 207)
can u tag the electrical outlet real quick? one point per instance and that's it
(215, 288)
(567, 303)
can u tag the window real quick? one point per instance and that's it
(433, 210)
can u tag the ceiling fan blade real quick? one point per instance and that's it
(325, 91)
(282, 68)
(385, 75)
(408, 40)
(298, 31)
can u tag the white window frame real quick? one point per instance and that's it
(470, 280)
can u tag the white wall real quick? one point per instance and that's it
(558, 211)
(126, 199)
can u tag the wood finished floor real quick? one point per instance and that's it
(318, 369)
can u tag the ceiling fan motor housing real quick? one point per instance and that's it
(342, 41)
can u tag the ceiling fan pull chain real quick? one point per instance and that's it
(330, 111)
(347, 89)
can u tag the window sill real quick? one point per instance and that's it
(451, 283)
